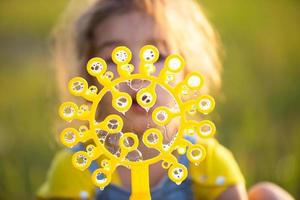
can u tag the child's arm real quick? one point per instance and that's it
(261, 191)
(235, 192)
(268, 191)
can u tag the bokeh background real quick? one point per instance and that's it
(259, 108)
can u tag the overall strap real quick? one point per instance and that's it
(183, 159)
(93, 166)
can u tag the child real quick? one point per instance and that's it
(174, 26)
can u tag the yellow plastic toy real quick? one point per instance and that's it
(146, 98)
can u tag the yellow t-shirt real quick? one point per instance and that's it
(217, 172)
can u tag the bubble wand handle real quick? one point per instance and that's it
(140, 183)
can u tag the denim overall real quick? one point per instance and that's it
(165, 190)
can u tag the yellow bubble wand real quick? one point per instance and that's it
(121, 101)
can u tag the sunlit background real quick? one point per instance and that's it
(259, 108)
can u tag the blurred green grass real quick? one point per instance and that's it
(259, 107)
(259, 113)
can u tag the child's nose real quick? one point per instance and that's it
(135, 62)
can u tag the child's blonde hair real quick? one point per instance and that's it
(188, 33)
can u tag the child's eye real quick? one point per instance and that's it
(161, 58)
(109, 61)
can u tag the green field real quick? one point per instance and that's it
(258, 112)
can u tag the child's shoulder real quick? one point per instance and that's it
(218, 171)
(63, 180)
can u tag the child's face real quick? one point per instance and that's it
(134, 30)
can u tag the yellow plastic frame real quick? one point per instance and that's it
(122, 101)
